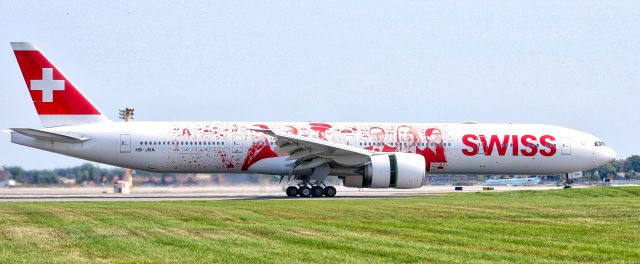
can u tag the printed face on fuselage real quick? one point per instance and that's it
(435, 137)
(377, 135)
(406, 136)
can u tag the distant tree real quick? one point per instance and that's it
(632, 163)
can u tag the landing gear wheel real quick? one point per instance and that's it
(304, 191)
(316, 191)
(329, 191)
(292, 191)
(567, 187)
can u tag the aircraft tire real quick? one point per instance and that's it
(292, 191)
(316, 191)
(304, 191)
(330, 191)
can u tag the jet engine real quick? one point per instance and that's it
(390, 170)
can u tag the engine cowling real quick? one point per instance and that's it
(392, 170)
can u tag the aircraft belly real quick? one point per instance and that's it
(274, 166)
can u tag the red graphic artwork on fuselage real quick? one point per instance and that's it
(242, 149)
(320, 130)
(433, 152)
(407, 139)
(377, 135)
(260, 149)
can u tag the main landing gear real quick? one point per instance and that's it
(314, 191)
(311, 185)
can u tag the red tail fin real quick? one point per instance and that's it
(56, 99)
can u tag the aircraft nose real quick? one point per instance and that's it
(605, 155)
(610, 154)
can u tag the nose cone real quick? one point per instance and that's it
(605, 155)
(610, 154)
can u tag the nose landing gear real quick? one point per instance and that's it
(567, 182)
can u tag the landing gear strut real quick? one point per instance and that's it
(567, 182)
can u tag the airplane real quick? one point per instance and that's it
(362, 155)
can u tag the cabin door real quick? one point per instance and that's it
(566, 146)
(237, 140)
(125, 143)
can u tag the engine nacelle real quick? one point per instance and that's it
(392, 170)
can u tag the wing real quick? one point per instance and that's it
(310, 152)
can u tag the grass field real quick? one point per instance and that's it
(578, 225)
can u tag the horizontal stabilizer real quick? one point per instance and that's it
(46, 135)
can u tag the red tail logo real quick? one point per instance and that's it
(47, 85)
(52, 93)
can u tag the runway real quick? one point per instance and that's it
(249, 192)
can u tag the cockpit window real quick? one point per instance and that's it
(599, 143)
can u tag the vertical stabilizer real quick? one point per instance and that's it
(55, 98)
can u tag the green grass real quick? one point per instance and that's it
(578, 225)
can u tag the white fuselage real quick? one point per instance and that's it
(232, 147)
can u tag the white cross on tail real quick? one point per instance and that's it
(47, 85)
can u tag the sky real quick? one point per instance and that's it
(567, 63)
